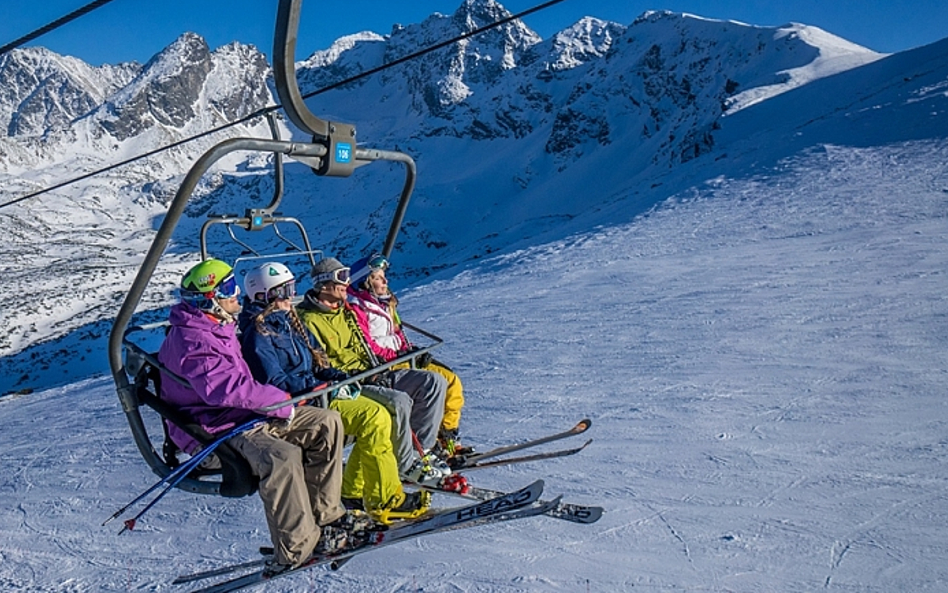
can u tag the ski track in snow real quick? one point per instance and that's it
(763, 360)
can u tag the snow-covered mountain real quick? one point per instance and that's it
(724, 244)
(43, 90)
(518, 140)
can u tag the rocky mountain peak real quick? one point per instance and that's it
(446, 78)
(588, 39)
(41, 90)
(237, 84)
(502, 44)
(164, 93)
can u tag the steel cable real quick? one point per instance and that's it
(266, 110)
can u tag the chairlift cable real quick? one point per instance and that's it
(144, 155)
(53, 25)
(266, 110)
(432, 48)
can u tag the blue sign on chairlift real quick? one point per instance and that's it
(343, 152)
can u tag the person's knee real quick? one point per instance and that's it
(438, 381)
(283, 456)
(321, 419)
(378, 420)
(401, 401)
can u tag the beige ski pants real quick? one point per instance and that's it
(300, 471)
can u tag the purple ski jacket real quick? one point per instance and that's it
(223, 393)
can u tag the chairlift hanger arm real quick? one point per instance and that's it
(339, 138)
(278, 177)
(284, 70)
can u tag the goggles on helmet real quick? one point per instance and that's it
(340, 276)
(287, 290)
(378, 262)
(226, 289)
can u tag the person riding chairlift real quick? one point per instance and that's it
(297, 454)
(414, 398)
(378, 318)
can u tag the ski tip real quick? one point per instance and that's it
(595, 513)
(534, 489)
(583, 515)
(583, 425)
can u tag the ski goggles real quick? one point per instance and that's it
(287, 290)
(340, 276)
(378, 262)
(227, 289)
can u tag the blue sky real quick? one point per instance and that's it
(125, 30)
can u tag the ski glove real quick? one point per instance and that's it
(382, 379)
(280, 424)
(423, 360)
(350, 391)
(330, 374)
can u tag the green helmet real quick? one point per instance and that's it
(211, 279)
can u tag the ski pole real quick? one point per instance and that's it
(175, 477)
(182, 471)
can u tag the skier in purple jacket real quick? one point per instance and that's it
(297, 455)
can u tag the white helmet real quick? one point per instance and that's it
(269, 282)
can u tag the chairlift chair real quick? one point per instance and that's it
(332, 152)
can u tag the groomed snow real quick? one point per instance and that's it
(763, 360)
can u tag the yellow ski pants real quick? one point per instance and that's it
(453, 397)
(371, 472)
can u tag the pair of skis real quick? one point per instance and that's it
(575, 513)
(473, 461)
(510, 506)
(492, 506)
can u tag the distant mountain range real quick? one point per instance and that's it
(518, 140)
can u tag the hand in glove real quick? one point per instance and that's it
(281, 417)
(382, 379)
(331, 374)
(423, 360)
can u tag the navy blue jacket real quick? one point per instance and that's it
(279, 356)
